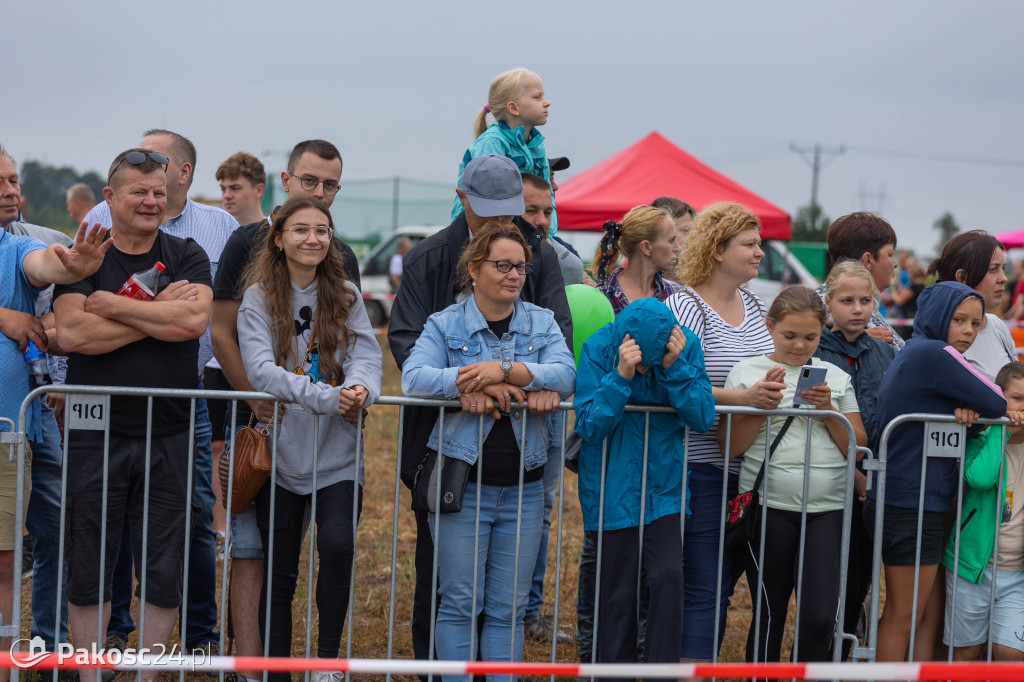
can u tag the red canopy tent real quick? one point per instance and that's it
(1011, 240)
(648, 169)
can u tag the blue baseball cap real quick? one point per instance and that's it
(493, 186)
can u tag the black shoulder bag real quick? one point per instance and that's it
(743, 512)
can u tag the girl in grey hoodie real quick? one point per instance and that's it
(305, 337)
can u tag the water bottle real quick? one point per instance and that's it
(38, 368)
(142, 285)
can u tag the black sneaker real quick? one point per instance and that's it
(28, 545)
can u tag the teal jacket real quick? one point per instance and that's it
(528, 155)
(981, 504)
(601, 397)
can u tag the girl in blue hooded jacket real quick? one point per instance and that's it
(929, 375)
(642, 357)
(516, 101)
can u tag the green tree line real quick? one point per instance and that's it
(45, 187)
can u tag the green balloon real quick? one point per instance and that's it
(590, 310)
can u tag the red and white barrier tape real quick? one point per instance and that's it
(798, 671)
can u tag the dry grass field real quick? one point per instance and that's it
(371, 627)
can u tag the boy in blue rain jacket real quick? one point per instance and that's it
(642, 357)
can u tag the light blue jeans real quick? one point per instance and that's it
(496, 564)
(43, 523)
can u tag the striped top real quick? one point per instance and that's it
(724, 346)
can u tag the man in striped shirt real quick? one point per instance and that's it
(210, 227)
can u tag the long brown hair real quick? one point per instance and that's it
(334, 300)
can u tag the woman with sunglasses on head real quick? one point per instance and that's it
(305, 337)
(488, 350)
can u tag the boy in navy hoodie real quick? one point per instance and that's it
(929, 375)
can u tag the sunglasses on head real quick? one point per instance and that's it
(137, 158)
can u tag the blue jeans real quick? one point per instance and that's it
(701, 560)
(551, 469)
(43, 523)
(202, 563)
(496, 563)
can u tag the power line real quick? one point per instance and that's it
(938, 157)
(814, 161)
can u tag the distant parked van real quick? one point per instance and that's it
(374, 272)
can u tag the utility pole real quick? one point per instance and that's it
(815, 162)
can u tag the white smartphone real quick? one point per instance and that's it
(810, 376)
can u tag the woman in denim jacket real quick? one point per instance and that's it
(488, 350)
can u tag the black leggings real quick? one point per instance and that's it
(335, 546)
(819, 600)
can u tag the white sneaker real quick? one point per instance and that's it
(326, 676)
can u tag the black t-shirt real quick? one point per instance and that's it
(909, 309)
(501, 449)
(240, 247)
(149, 362)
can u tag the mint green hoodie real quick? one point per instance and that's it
(529, 157)
(984, 454)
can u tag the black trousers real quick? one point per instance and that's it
(335, 546)
(777, 577)
(618, 613)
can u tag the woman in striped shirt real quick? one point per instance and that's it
(722, 254)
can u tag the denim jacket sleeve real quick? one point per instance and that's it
(555, 369)
(425, 373)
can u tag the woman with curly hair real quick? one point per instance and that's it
(305, 337)
(722, 254)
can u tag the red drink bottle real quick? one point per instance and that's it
(142, 285)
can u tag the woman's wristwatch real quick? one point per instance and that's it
(506, 367)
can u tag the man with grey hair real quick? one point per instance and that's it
(80, 199)
(43, 517)
(210, 227)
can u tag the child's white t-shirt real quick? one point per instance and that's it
(785, 474)
(1011, 533)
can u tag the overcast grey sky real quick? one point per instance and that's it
(396, 85)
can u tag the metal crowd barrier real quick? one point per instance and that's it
(943, 438)
(100, 396)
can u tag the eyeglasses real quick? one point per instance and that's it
(137, 158)
(309, 184)
(505, 266)
(300, 231)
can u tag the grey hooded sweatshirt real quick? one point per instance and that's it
(309, 403)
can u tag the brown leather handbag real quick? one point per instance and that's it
(252, 466)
